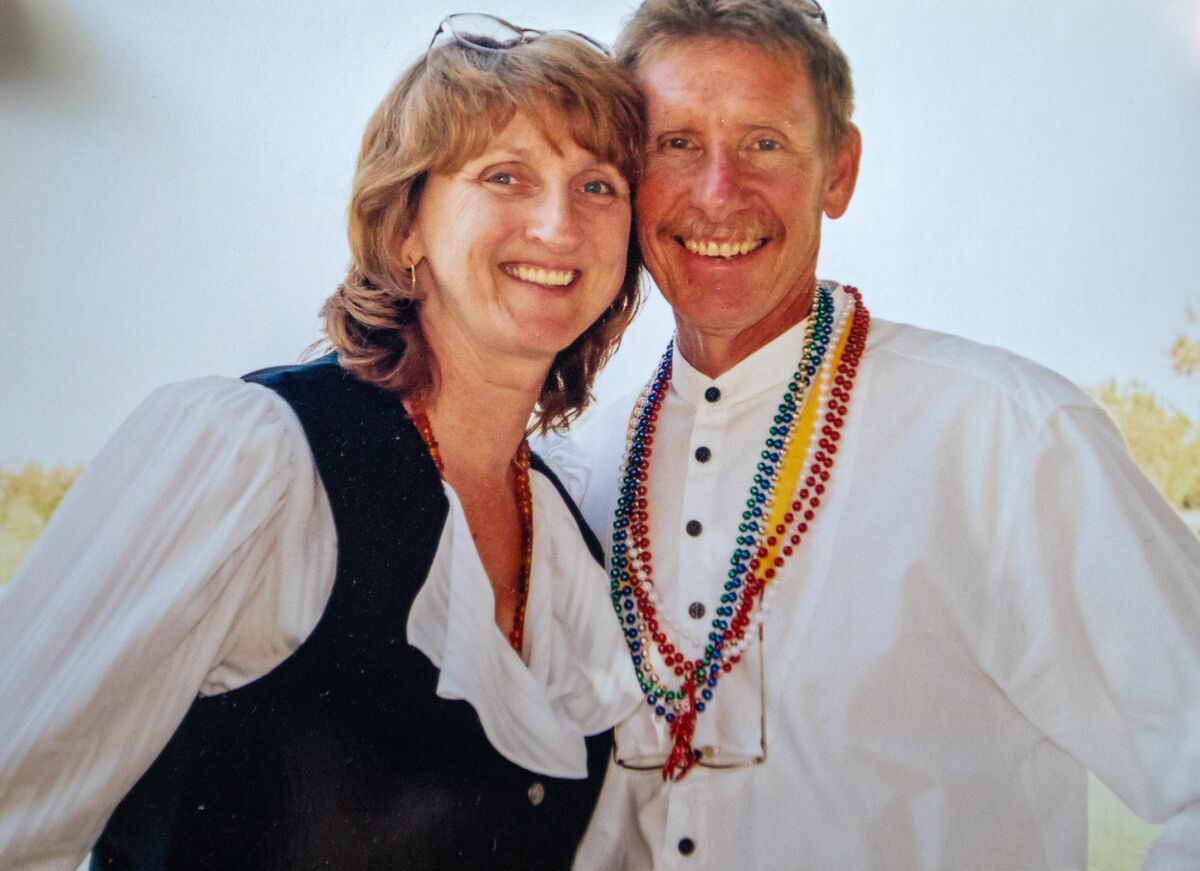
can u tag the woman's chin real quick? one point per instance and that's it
(540, 347)
(544, 336)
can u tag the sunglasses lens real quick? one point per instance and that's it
(482, 31)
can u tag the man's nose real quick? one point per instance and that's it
(554, 221)
(717, 189)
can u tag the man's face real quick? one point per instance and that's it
(737, 178)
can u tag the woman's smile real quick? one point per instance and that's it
(542, 276)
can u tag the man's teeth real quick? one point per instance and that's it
(720, 249)
(551, 277)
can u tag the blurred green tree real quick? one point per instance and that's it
(27, 499)
(1185, 352)
(1164, 442)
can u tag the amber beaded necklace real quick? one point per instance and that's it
(524, 495)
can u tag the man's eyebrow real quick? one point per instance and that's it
(784, 125)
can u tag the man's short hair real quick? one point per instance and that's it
(792, 29)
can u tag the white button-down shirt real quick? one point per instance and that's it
(991, 602)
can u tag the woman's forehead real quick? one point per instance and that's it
(532, 132)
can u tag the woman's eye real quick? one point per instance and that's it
(598, 186)
(677, 143)
(767, 145)
(504, 178)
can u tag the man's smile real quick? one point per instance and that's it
(726, 249)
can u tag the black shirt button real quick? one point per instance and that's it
(712, 394)
(696, 610)
(694, 528)
(687, 846)
(703, 454)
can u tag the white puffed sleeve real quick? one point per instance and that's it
(153, 581)
(1094, 628)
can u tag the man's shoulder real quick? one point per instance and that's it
(914, 358)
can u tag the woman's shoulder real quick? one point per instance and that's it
(209, 414)
(217, 398)
(562, 460)
(562, 504)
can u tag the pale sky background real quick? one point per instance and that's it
(173, 181)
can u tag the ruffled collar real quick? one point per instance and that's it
(576, 679)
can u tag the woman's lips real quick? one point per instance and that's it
(546, 277)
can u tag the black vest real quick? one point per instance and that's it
(343, 757)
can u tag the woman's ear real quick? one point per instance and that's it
(412, 247)
(411, 252)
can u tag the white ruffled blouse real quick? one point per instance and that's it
(194, 554)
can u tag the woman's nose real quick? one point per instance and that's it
(554, 222)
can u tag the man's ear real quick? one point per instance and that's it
(843, 174)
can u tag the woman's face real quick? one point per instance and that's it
(523, 247)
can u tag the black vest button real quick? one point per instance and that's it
(537, 793)
(703, 454)
(687, 846)
(696, 610)
(712, 394)
(694, 528)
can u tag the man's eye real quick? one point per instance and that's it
(598, 186)
(767, 145)
(677, 143)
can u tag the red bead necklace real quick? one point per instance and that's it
(524, 497)
(775, 523)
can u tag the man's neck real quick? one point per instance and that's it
(714, 352)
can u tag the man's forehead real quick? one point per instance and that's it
(702, 77)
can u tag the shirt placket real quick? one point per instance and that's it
(685, 834)
(703, 537)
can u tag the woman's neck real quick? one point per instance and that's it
(480, 411)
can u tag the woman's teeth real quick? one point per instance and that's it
(537, 275)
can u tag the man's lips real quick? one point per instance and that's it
(540, 274)
(726, 249)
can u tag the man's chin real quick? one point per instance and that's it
(711, 309)
(720, 278)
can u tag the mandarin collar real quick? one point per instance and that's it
(769, 368)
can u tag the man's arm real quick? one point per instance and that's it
(1095, 632)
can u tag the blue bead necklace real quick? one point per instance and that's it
(631, 571)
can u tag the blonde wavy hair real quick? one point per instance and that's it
(441, 113)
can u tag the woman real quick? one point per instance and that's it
(398, 635)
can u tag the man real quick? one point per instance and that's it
(888, 604)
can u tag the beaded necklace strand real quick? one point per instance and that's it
(788, 485)
(524, 496)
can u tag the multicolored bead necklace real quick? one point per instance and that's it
(524, 496)
(789, 483)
